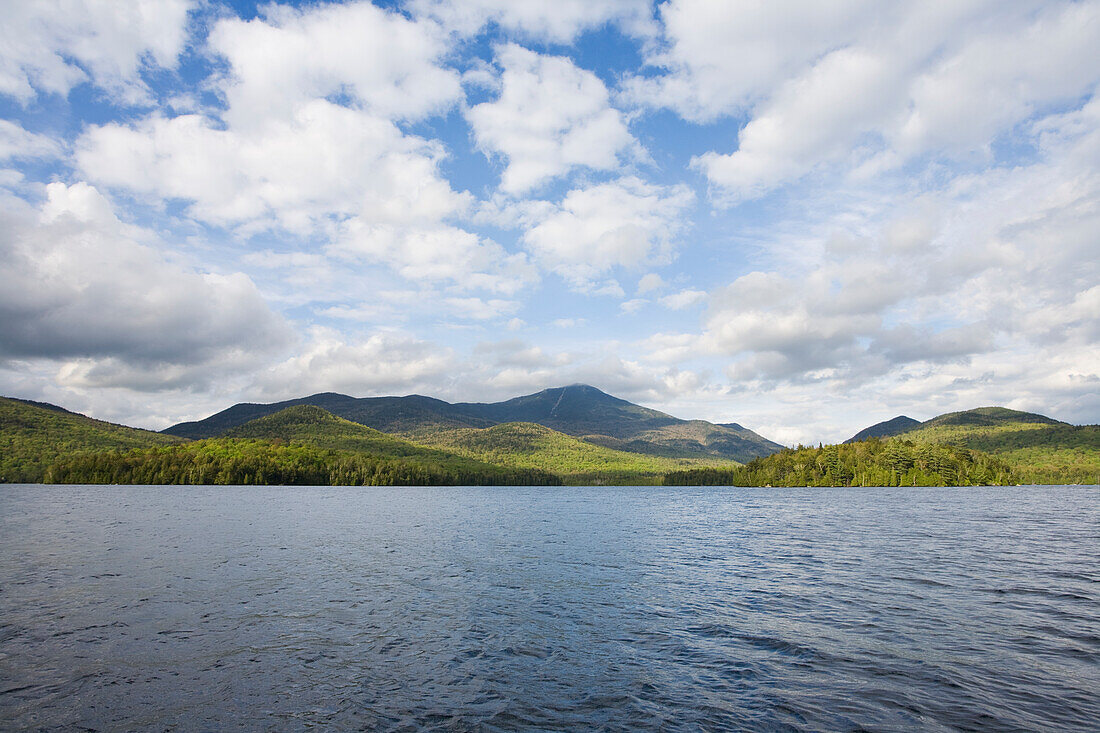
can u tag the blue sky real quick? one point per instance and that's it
(798, 216)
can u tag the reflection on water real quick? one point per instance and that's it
(503, 608)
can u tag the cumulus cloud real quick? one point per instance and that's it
(79, 285)
(683, 299)
(384, 362)
(551, 117)
(504, 369)
(622, 223)
(324, 160)
(844, 94)
(436, 253)
(719, 58)
(864, 85)
(310, 145)
(560, 21)
(54, 45)
(387, 64)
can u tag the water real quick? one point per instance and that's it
(584, 608)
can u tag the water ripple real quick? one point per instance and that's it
(614, 609)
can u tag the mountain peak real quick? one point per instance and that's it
(886, 429)
(579, 410)
(987, 416)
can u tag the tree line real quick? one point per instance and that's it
(261, 462)
(872, 462)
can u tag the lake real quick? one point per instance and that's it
(258, 608)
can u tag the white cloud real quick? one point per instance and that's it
(683, 299)
(436, 253)
(551, 117)
(560, 21)
(383, 363)
(812, 118)
(18, 143)
(961, 102)
(721, 57)
(863, 85)
(388, 65)
(518, 353)
(993, 270)
(633, 305)
(649, 282)
(310, 146)
(623, 223)
(609, 288)
(95, 295)
(53, 45)
(670, 348)
(480, 309)
(326, 160)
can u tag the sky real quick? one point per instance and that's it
(803, 217)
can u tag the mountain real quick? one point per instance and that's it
(1039, 449)
(387, 414)
(578, 410)
(885, 429)
(34, 434)
(986, 417)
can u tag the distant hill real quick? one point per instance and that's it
(885, 429)
(578, 410)
(985, 417)
(300, 445)
(1039, 449)
(34, 434)
(387, 414)
(530, 445)
(319, 427)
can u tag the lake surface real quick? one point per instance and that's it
(258, 608)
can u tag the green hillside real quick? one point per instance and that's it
(527, 445)
(303, 444)
(33, 435)
(273, 462)
(871, 462)
(1039, 449)
(320, 428)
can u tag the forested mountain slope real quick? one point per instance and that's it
(578, 410)
(34, 434)
(1039, 449)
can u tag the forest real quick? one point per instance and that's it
(872, 462)
(225, 461)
